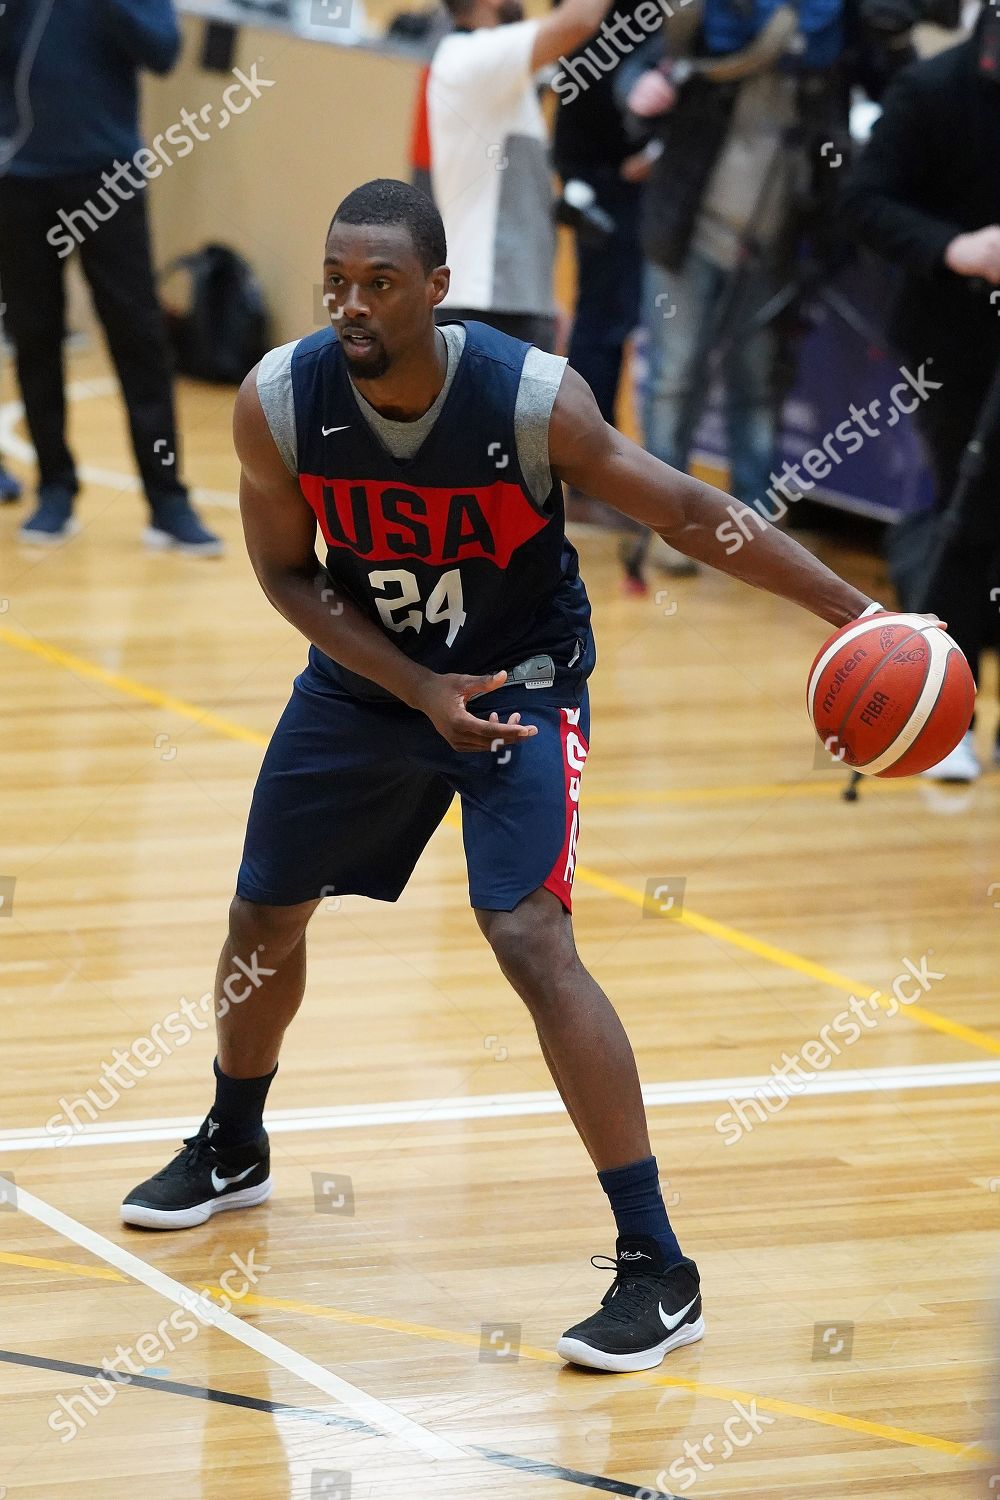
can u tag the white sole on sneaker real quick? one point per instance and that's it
(49, 538)
(962, 773)
(144, 1217)
(579, 1353)
(162, 541)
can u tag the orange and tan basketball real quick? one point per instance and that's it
(891, 695)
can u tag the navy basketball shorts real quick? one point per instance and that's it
(350, 792)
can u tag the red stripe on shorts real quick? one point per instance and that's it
(574, 748)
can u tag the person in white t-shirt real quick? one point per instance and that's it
(489, 159)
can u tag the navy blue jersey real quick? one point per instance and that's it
(447, 551)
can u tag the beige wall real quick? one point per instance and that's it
(268, 183)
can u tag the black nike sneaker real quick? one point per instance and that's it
(201, 1181)
(647, 1311)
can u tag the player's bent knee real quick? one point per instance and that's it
(535, 955)
(276, 929)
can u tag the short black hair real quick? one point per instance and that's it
(385, 200)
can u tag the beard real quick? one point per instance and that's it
(371, 365)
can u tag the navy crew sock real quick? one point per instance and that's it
(238, 1110)
(637, 1204)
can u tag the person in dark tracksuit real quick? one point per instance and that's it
(69, 136)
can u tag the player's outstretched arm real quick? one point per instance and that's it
(565, 28)
(280, 531)
(585, 452)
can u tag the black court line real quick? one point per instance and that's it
(573, 1476)
(329, 1419)
(199, 1392)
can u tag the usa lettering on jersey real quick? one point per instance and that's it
(379, 521)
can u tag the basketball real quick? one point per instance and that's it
(890, 695)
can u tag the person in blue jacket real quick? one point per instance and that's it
(69, 146)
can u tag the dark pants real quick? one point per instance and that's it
(609, 283)
(533, 328)
(116, 261)
(964, 587)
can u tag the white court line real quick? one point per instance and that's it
(502, 1106)
(368, 1408)
(12, 445)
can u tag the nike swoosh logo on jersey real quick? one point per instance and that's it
(672, 1321)
(221, 1183)
(328, 430)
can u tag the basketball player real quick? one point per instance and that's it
(450, 646)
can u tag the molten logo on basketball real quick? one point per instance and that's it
(841, 675)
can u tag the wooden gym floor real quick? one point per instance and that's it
(434, 1213)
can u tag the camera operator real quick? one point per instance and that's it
(746, 125)
(716, 205)
(926, 195)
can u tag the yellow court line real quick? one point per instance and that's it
(785, 959)
(127, 685)
(679, 795)
(752, 792)
(707, 926)
(900, 1435)
(68, 1267)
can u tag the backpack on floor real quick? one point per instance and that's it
(221, 331)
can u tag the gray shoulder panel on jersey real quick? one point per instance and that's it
(274, 387)
(541, 376)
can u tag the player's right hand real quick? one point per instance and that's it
(444, 699)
